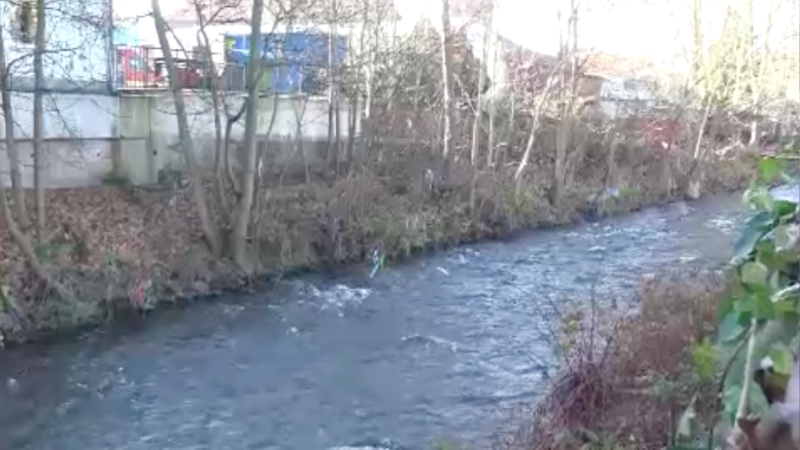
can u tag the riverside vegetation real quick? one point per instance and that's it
(709, 361)
(438, 161)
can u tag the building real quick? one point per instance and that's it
(296, 54)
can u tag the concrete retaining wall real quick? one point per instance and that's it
(89, 137)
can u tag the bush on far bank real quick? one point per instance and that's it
(628, 371)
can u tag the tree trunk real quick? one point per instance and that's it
(260, 154)
(337, 135)
(694, 178)
(526, 156)
(24, 244)
(38, 121)
(476, 124)
(568, 109)
(560, 169)
(447, 89)
(492, 42)
(216, 103)
(371, 55)
(207, 224)
(18, 235)
(226, 148)
(333, 145)
(523, 163)
(352, 121)
(15, 168)
(242, 218)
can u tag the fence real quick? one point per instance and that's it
(145, 68)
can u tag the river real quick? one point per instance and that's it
(438, 347)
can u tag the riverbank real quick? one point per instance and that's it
(124, 249)
(631, 391)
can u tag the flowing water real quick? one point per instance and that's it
(433, 348)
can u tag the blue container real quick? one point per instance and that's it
(293, 59)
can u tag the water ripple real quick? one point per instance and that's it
(425, 350)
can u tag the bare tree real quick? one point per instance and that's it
(476, 124)
(217, 104)
(491, 44)
(38, 120)
(333, 107)
(567, 104)
(447, 91)
(536, 115)
(18, 234)
(478, 119)
(14, 161)
(242, 215)
(210, 231)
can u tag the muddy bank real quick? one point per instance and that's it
(122, 250)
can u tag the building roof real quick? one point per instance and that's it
(608, 65)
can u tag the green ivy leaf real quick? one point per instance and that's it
(744, 310)
(787, 237)
(763, 308)
(770, 168)
(784, 208)
(705, 354)
(730, 400)
(759, 197)
(754, 274)
(767, 255)
(782, 359)
(725, 308)
(786, 309)
(754, 230)
(756, 400)
(730, 329)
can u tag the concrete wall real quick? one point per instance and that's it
(89, 137)
(79, 136)
(148, 126)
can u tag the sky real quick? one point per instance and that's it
(531, 23)
(627, 27)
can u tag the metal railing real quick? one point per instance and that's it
(145, 68)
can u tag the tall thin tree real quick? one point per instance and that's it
(242, 215)
(38, 120)
(210, 231)
(447, 90)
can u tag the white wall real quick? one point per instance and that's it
(79, 136)
(67, 116)
(311, 114)
(83, 132)
(622, 97)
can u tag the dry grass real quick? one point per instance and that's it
(331, 221)
(628, 376)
